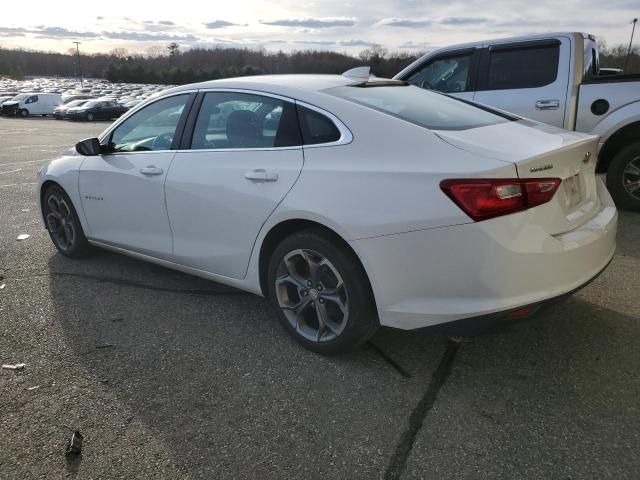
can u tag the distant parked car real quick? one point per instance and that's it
(27, 104)
(66, 98)
(61, 112)
(96, 110)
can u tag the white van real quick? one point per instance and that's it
(27, 104)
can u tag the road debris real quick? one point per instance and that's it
(17, 366)
(74, 447)
(33, 388)
(24, 210)
(2, 285)
(104, 345)
(23, 236)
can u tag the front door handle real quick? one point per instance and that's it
(261, 175)
(547, 104)
(151, 170)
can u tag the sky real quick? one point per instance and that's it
(344, 26)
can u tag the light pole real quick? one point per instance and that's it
(633, 29)
(79, 69)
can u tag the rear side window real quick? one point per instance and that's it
(316, 128)
(240, 120)
(425, 108)
(529, 67)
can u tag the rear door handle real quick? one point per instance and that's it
(261, 175)
(151, 170)
(547, 104)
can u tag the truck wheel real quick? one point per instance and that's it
(623, 177)
(24, 113)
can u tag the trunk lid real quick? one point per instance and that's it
(542, 151)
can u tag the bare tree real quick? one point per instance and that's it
(155, 51)
(120, 53)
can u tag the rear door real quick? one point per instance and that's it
(452, 72)
(527, 78)
(242, 157)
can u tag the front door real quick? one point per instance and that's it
(122, 191)
(244, 156)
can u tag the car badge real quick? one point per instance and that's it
(586, 158)
(541, 168)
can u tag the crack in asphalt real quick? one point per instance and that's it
(134, 284)
(398, 461)
(387, 358)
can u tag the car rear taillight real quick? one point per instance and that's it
(482, 199)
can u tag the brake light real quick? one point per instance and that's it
(482, 199)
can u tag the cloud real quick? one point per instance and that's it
(403, 22)
(166, 22)
(463, 20)
(99, 18)
(312, 22)
(59, 32)
(357, 43)
(142, 36)
(315, 42)
(219, 24)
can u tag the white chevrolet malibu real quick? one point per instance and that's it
(349, 202)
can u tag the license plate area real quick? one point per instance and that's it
(573, 191)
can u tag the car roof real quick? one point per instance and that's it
(286, 85)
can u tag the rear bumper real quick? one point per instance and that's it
(478, 270)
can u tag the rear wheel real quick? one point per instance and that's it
(623, 177)
(63, 224)
(90, 117)
(321, 293)
(24, 113)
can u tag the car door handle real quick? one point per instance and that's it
(151, 170)
(261, 175)
(547, 104)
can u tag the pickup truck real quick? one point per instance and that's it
(555, 79)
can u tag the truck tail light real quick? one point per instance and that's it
(482, 199)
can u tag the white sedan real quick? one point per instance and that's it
(349, 202)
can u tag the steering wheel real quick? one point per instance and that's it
(162, 141)
(426, 85)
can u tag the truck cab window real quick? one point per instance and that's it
(528, 67)
(445, 74)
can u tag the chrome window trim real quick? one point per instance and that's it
(346, 136)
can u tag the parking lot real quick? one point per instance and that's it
(171, 376)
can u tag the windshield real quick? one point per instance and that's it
(421, 107)
(20, 97)
(91, 104)
(76, 103)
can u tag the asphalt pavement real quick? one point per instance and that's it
(171, 376)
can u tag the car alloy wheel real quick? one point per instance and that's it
(312, 295)
(631, 177)
(90, 117)
(60, 222)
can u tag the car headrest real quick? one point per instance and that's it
(242, 129)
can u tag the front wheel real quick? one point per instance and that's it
(623, 177)
(90, 117)
(321, 293)
(63, 224)
(24, 113)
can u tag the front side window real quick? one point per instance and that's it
(447, 75)
(523, 67)
(151, 128)
(431, 110)
(32, 99)
(240, 120)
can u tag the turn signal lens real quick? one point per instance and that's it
(482, 199)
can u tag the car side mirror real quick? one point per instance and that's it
(89, 147)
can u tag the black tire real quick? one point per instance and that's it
(90, 117)
(361, 321)
(77, 245)
(24, 113)
(617, 177)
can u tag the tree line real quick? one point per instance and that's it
(172, 66)
(169, 65)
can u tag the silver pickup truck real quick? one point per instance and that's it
(553, 78)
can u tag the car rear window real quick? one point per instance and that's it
(425, 108)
